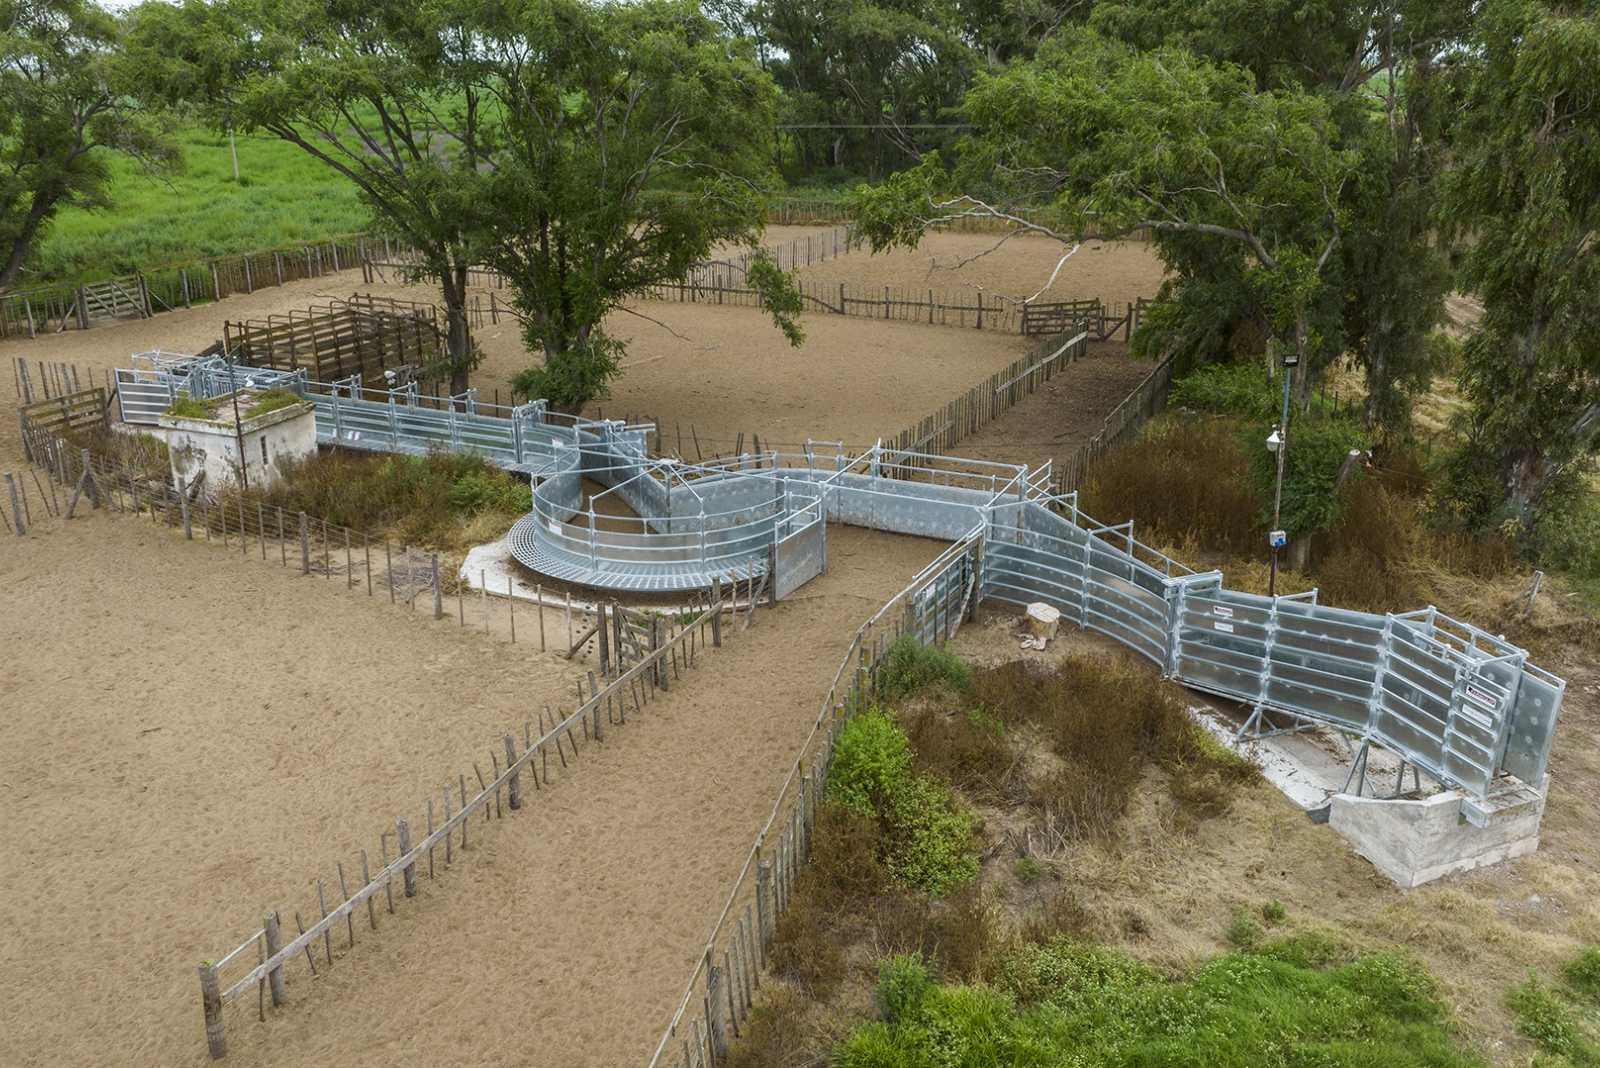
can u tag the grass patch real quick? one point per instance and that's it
(1070, 1004)
(270, 401)
(927, 835)
(186, 407)
(909, 667)
(283, 198)
(1109, 719)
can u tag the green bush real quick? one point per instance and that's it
(1228, 389)
(574, 378)
(910, 667)
(1318, 448)
(1582, 974)
(1273, 913)
(903, 982)
(1544, 1018)
(871, 763)
(927, 836)
(1244, 931)
(930, 843)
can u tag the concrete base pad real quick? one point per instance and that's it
(1412, 839)
(1417, 841)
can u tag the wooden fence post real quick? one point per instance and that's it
(274, 943)
(403, 834)
(716, 1009)
(716, 614)
(766, 921)
(305, 546)
(211, 1005)
(513, 784)
(16, 509)
(438, 594)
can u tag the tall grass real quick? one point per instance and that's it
(1067, 1003)
(283, 197)
(444, 501)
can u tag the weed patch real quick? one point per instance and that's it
(910, 667)
(1066, 1003)
(927, 835)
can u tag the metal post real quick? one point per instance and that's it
(1277, 493)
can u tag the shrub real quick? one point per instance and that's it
(972, 936)
(871, 763)
(910, 667)
(571, 379)
(845, 871)
(968, 748)
(1273, 913)
(1028, 870)
(1108, 718)
(1228, 389)
(1582, 974)
(1062, 915)
(803, 950)
(930, 839)
(1244, 931)
(927, 836)
(776, 1035)
(1542, 1017)
(1318, 448)
(903, 982)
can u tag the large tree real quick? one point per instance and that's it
(65, 103)
(1115, 140)
(633, 138)
(374, 90)
(1526, 194)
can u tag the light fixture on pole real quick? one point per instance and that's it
(1278, 443)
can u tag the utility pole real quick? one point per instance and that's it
(1278, 442)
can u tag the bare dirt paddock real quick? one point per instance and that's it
(191, 738)
(1116, 272)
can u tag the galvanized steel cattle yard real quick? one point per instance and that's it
(1448, 698)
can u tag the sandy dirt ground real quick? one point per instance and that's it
(179, 779)
(720, 371)
(714, 371)
(1116, 272)
(1064, 412)
(1168, 895)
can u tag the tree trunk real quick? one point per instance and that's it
(42, 203)
(458, 339)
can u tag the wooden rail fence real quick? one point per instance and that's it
(362, 335)
(51, 309)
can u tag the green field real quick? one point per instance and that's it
(283, 197)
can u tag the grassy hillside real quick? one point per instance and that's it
(282, 197)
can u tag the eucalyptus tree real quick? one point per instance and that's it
(1113, 140)
(1525, 191)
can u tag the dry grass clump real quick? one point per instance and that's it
(969, 748)
(1108, 720)
(444, 501)
(830, 896)
(1183, 480)
(143, 454)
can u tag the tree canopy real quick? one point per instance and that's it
(67, 97)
